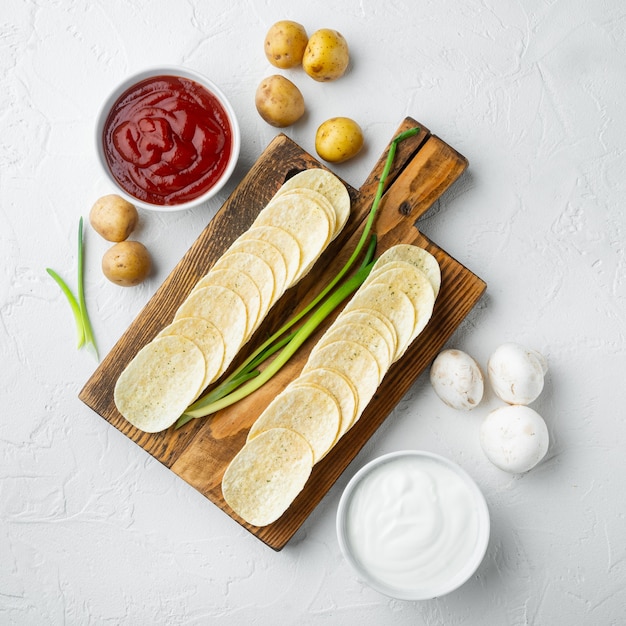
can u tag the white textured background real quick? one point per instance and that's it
(94, 531)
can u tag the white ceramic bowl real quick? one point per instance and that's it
(207, 84)
(413, 525)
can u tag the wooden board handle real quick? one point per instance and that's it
(431, 171)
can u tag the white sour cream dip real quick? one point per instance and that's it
(413, 524)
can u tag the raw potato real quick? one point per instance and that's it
(127, 263)
(278, 101)
(338, 139)
(326, 56)
(285, 43)
(113, 218)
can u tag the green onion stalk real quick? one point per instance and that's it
(247, 378)
(84, 330)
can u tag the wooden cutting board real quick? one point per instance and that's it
(199, 453)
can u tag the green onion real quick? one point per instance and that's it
(80, 329)
(225, 395)
(201, 409)
(247, 378)
(90, 341)
(78, 306)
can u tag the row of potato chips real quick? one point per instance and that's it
(307, 419)
(228, 304)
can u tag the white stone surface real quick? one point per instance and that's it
(94, 531)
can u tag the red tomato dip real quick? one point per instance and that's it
(167, 140)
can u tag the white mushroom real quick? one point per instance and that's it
(457, 379)
(516, 373)
(514, 438)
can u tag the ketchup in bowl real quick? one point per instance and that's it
(167, 140)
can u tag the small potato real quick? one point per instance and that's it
(338, 139)
(113, 218)
(127, 263)
(278, 101)
(326, 56)
(285, 43)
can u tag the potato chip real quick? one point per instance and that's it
(163, 378)
(301, 192)
(305, 220)
(242, 285)
(206, 336)
(268, 252)
(266, 475)
(391, 303)
(377, 321)
(328, 185)
(257, 269)
(363, 334)
(224, 309)
(352, 360)
(309, 410)
(420, 258)
(414, 283)
(341, 388)
(285, 242)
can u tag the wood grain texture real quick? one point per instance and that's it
(199, 453)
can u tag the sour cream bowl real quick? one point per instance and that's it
(167, 138)
(413, 525)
